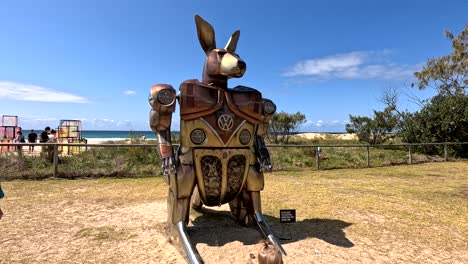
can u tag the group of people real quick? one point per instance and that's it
(46, 136)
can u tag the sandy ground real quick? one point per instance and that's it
(343, 136)
(70, 233)
(79, 232)
(103, 140)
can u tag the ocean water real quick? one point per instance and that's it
(111, 134)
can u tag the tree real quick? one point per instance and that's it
(443, 119)
(283, 124)
(448, 74)
(373, 130)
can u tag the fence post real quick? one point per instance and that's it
(368, 156)
(317, 157)
(445, 152)
(55, 160)
(410, 156)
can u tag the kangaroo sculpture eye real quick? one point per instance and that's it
(221, 53)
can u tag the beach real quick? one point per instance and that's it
(338, 136)
(104, 140)
(306, 135)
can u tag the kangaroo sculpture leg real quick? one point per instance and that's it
(178, 206)
(196, 200)
(247, 208)
(262, 224)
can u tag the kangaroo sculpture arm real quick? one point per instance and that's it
(163, 101)
(263, 156)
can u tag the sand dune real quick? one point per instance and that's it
(344, 136)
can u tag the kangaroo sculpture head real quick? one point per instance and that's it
(221, 63)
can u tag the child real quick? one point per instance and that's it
(269, 254)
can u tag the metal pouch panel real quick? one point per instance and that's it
(221, 173)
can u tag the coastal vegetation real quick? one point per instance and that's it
(283, 125)
(143, 161)
(94, 162)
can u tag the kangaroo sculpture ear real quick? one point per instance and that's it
(206, 34)
(232, 43)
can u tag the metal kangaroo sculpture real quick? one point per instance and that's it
(222, 154)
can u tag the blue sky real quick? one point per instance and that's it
(96, 60)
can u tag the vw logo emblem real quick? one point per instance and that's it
(225, 122)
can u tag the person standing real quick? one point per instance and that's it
(44, 137)
(19, 139)
(32, 138)
(52, 139)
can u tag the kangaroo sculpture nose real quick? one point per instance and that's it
(242, 67)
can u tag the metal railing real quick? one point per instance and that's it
(318, 148)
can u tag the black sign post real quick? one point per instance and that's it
(287, 216)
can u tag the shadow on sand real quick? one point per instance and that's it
(217, 228)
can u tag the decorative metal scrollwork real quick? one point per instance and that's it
(198, 136)
(165, 97)
(244, 137)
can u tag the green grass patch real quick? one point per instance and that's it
(420, 202)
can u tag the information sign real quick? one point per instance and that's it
(288, 216)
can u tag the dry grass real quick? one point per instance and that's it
(399, 214)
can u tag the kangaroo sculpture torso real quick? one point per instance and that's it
(222, 154)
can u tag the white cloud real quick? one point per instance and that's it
(28, 92)
(37, 118)
(353, 65)
(129, 92)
